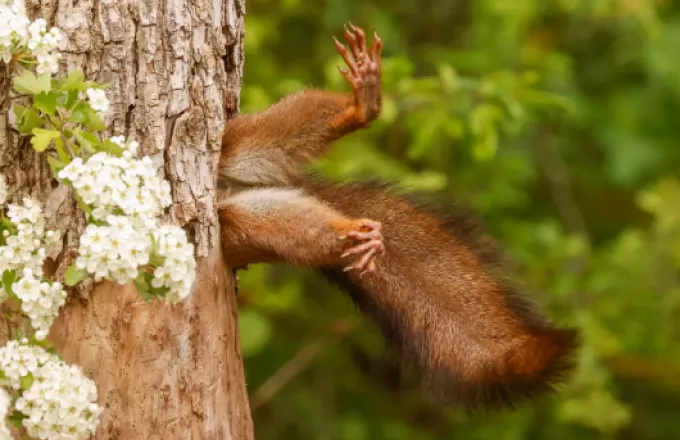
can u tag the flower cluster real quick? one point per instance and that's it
(43, 45)
(13, 28)
(17, 6)
(20, 38)
(26, 244)
(30, 243)
(58, 400)
(178, 271)
(118, 185)
(117, 250)
(40, 301)
(125, 196)
(18, 360)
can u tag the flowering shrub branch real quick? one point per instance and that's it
(123, 199)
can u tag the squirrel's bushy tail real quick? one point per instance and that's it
(484, 375)
(530, 367)
(440, 297)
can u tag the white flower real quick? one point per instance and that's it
(31, 244)
(114, 251)
(17, 360)
(118, 249)
(35, 32)
(48, 63)
(40, 301)
(17, 6)
(178, 271)
(98, 100)
(27, 288)
(74, 169)
(59, 403)
(19, 36)
(118, 185)
(24, 253)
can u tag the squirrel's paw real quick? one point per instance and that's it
(364, 71)
(370, 244)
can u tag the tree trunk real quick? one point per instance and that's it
(174, 70)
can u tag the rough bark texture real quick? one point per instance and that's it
(174, 73)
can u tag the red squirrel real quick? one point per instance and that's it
(432, 281)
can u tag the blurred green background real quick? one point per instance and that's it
(558, 121)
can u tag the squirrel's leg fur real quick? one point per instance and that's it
(268, 147)
(276, 224)
(439, 296)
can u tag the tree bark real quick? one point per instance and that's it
(174, 71)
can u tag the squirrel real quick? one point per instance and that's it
(432, 281)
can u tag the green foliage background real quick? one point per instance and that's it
(557, 120)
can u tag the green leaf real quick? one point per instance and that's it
(68, 100)
(27, 119)
(428, 134)
(255, 330)
(46, 102)
(8, 278)
(16, 419)
(30, 84)
(73, 275)
(19, 112)
(44, 343)
(8, 225)
(79, 114)
(146, 296)
(84, 206)
(143, 287)
(74, 82)
(84, 114)
(94, 122)
(483, 125)
(55, 165)
(59, 146)
(92, 138)
(111, 147)
(30, 121)
(26, 381)
(41, 138)
(156, 260)
(141, 281)
(87, 140)
(161, 292)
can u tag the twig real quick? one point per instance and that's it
(302, 359)
(292, 368)
(559, 183)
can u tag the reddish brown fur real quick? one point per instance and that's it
(439, 292)
(452, 316)
(264, 225)
(258, 152)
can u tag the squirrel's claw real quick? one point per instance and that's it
(364, 71)
(371, 245)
